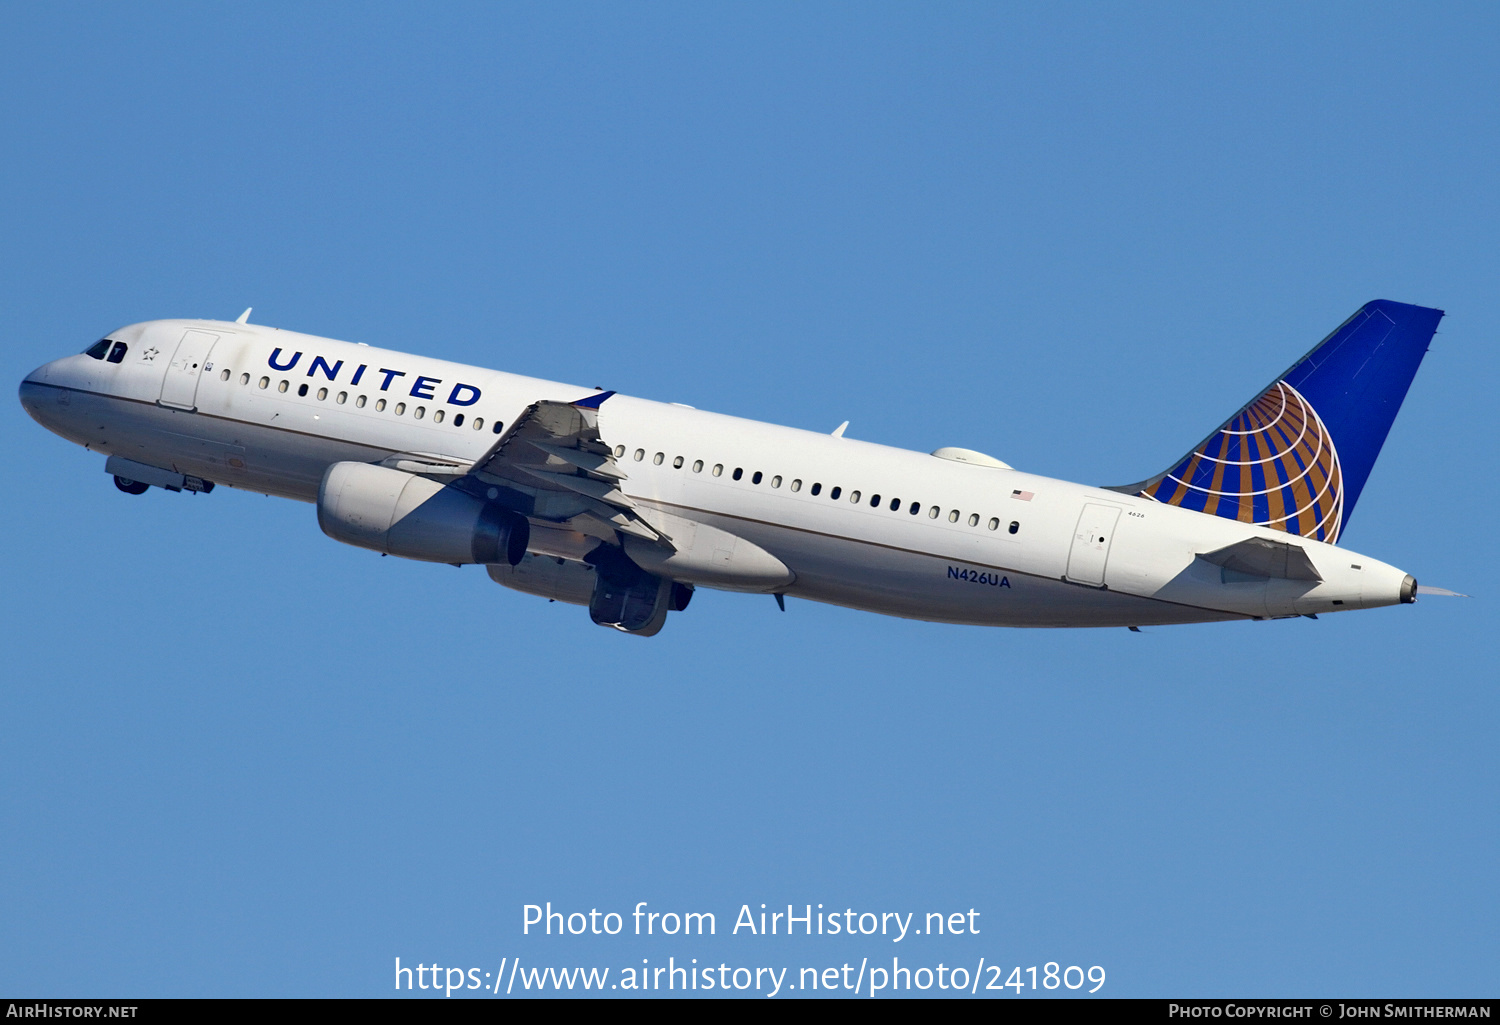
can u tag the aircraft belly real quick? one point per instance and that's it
(915, 585)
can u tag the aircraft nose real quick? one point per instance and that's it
(34, 388)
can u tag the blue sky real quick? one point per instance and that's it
(237, 758)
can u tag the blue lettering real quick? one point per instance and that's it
(1005, 581)
(277, 366)
(332, 372)
(953, 574)
(473, 396)
(358, 374)
(384, 385)
(421, 388)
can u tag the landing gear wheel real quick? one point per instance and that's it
(131, 487)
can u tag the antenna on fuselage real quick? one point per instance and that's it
(244, 318)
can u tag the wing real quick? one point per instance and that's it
(551, 465)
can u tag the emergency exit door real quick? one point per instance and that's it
(1091, 541)
(179, 388)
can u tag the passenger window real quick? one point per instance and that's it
(895, 505)
(98, 349)
(757, 478)
(380, 405)
(283, 386)
(677, 463)
(479, 423)
(658, 458)
(360, 402)
(499, 426)
(973, 519)
(244, 379)
(640, 454)
(697, 466)
(619, 451)
(400, 408)
(932, 513)
(302, 391)
(264, 381)
(1015, 525)
(223, 375)
(343, 398)
(874, 501)
(437, 417)
(718, 469)
(322, 394)
(817, 488)
(776, 482)
(994, 523)
(916, 507)
(797, 485)
(738, 472)
(953, 516)
(834, 494)
(419, 412)
(458, 419)
(854, 497)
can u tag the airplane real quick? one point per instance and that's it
(627, 505)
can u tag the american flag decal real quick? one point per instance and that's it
(1024, 496)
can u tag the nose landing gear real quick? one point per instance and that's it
(131, 487)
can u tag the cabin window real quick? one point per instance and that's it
(738, 472)
(834, 494)
(244, 379)
(677, 463)
(659, 458)
(499, 426)
(953, 516)
(380, 405)
(437, 416)
(854, 497)
(640, 454)
(757, 478)
(973, 519)
(322, 394)
(895, 505)
(223, 375)
(98, 349)
(796, 485)
(994, 523)
(302, 391)
(419, 412)
(718, 469)
(458, 419)
(776, 482)
(282, 387)
(479, 423)
(360, 402)
(697, 466)
(1015, 525)
(400, 408)
(817, 488)
(916, 507)
(874, 501)
(343, 398)
(933, 513)
(619, 451)
(263, 383)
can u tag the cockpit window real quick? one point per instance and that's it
(118, 352)
(98, 349)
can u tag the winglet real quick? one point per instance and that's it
(593, 401)
(838, 432)
(244, 318)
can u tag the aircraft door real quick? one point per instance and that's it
(179, 387)
(1091, 541)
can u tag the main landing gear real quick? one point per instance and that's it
(131, 487)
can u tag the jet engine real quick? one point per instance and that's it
(403, 514)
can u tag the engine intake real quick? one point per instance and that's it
(403, 514)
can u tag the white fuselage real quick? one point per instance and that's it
(1077, 555)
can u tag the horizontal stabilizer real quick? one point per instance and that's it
(1263, 558)
(1438, 592)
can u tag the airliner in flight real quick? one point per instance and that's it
(626, 505)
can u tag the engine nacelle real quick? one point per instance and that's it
(548, 577)
(403, 514)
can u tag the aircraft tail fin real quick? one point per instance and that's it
(1296, 457)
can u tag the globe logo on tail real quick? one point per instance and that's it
(1273, 464)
